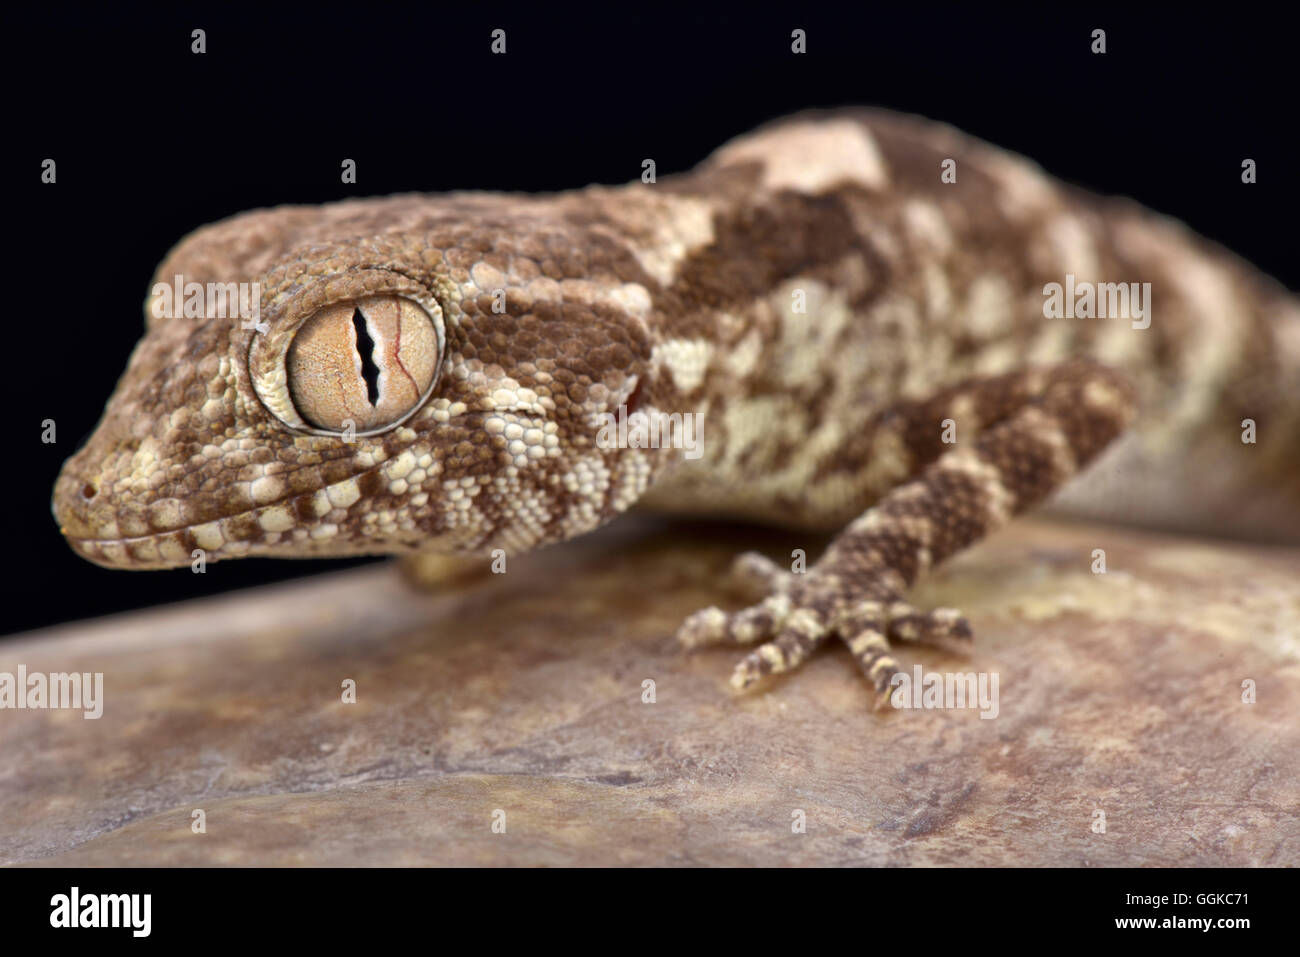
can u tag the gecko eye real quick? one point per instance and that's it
(368, 362)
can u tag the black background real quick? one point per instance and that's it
(152, 141)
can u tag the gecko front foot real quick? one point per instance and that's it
(860, 607)
(1038, 428)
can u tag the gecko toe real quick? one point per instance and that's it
(870, 649)
(713, 626)
(754, 574)
(707, 626)
(862, 627)
(802, 632)
(943, 628)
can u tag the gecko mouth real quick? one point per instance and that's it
(314, 525)
(176, 549)
(179, 547)
(91, 528)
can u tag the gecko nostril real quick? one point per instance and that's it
(88, 491)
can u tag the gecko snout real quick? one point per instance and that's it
(99, 528)
(74, 496)
(84, 504)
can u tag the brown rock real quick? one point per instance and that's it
(522, 693)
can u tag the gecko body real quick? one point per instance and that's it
(864, 340)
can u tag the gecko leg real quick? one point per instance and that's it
(854, 591)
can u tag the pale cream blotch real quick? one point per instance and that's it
(811, 157)
(589, 477)
(1212, 355)
(343, 494)
(529, 439)
(1025, 190)
(938, 291)
(661, 230)
(889, 463)
(277, 518)
(806, 337)
(486, 277)
(1052, 341)
(1001, 501)
(742, 358)
(927, 228)
(685, 360)
(1073, 250)
(266, 489)
(1047, 429)
(632, 479)
(1288, 335)
(988, 307)
(633, 298)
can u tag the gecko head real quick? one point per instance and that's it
(376, 395)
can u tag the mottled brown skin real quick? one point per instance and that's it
(924, 308)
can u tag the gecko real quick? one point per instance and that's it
(888, 330)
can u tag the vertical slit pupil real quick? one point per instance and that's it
(366, 348)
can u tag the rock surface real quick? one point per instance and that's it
(1118, 692)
